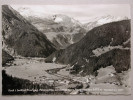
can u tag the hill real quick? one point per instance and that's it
(22, 38)
(105, 45)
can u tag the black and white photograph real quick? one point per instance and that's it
(66, 49)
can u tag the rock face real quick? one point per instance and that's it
(103, 46)
(60, 29)
(6, 57)
(63, 30)
(55, 23)
(22, 38)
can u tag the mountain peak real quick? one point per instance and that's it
(97, 21)
(109, 18)
(64, 19)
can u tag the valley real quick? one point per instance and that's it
(57, 54)
(58, 75)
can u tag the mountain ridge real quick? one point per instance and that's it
(20, 37)
(80, 53)
(103, 20)
(63, 30)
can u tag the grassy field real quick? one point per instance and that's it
(29, 76)
(16, 86)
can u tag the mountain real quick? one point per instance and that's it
(94, 22)
(49, 22)
(63, 30)
(20, 38)
(6, 57)
(60, 29)
(103, 46)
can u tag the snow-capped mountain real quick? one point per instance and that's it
(103, 20)
(66, 21)
(50, 22)
(106, 45)
(61, 30)
(27, 12)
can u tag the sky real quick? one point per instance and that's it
(83, 13)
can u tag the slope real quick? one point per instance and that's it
(22, 38)
(105, 43)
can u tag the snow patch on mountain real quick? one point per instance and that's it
(109, 18)
(27, 12)
(58, 19)
(94, 22)
(102, 21)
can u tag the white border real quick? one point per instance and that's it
(66, 2)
